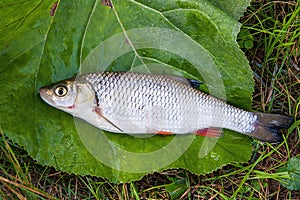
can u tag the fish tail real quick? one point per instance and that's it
(268, 126)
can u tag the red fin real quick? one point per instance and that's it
(209, 132)
(164, 133)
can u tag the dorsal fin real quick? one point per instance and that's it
(194, 83)
(186, 81)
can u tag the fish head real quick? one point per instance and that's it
(71, 95)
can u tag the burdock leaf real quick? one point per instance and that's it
(293, 172)
(42, 42)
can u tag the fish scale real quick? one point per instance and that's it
(119, 94)
(136, 103)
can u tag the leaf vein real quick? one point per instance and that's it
(43, 49)
(127, 37)
(85, 30)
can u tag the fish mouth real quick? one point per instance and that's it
(44, 94)
(42, 90)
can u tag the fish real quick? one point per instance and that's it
(137, 103)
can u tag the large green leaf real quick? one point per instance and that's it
(195, 39)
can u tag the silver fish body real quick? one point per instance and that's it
(145, 103)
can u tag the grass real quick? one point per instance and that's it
(271, 32)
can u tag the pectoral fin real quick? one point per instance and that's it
(99, 113)
(164, 133)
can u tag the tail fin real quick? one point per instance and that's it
(268, 126)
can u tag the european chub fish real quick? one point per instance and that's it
(136, 103)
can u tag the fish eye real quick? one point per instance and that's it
(61, 90)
